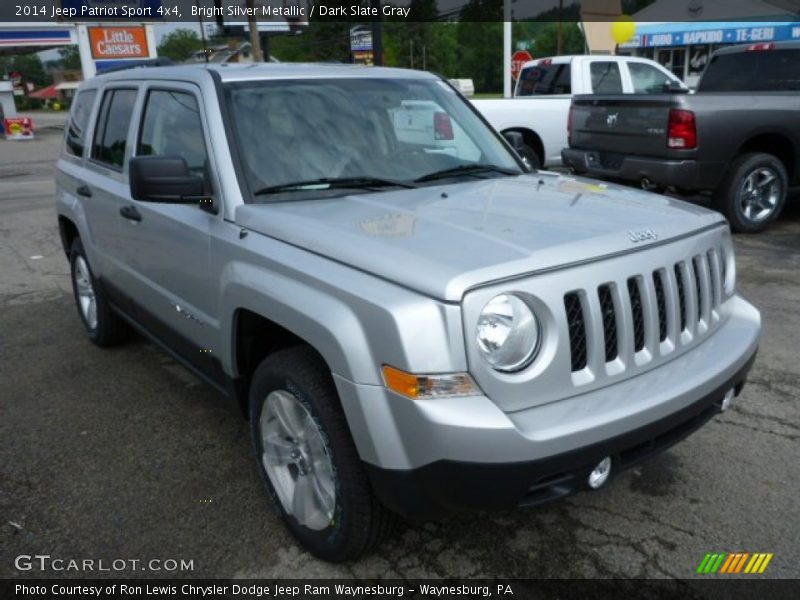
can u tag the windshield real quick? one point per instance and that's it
(371, 133)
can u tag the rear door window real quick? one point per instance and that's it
(647, 79)
(545, 80)
(753, 71)
(79, 121)
(113, 124)
(606, 77)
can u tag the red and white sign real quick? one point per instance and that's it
(519, 58)
(118, 42)
(18, 128)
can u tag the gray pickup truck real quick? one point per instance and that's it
(738, 136)
(411, 322)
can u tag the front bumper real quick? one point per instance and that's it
(428, 457)
(686, 174)
(443, 486)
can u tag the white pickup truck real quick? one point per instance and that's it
(540, 106)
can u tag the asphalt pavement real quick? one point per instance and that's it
(122, 454)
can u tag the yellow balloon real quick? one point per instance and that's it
(623, 30)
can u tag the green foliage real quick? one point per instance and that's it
(70, 58)
(180, 44)
(547, 40)
(30, 65)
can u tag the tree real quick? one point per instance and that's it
(70, 58)
(480, 44)
(28, 65)
(546, 41)
(180, 44)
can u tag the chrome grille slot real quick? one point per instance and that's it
(577, 331)
(681, 289)
(637, 312)
(716, 278)
(661, 301)
(609, 316)
(698, 286)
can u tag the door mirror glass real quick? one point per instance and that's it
(164, 179)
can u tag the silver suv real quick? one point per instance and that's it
(411, 321)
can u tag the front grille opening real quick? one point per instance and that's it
(661, 301)
(700, 298)
(609, 321)
(637, 312)
(712, 269)
(577, 331)
(681, 294)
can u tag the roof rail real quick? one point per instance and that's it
(153, 62)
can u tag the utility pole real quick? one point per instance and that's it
(377, 33)
(252, 24)
(560, 44)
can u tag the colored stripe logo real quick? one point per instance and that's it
(734, 563)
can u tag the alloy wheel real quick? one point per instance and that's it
(297, 461)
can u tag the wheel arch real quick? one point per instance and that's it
(68, 231)
(532, 139)
(776, 144)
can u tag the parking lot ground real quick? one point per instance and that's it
(108, 454)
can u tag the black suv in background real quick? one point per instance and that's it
(738, 136)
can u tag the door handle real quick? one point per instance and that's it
(131, 213)
(84, 191)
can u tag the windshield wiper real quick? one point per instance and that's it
(330, 183)
(466, 170)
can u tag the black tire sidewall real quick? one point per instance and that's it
(324, 543)
(727, 197)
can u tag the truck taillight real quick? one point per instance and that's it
(570, 116)
(442, 126)
(682, 131)
(761, 47)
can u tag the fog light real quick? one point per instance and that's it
(600, 474)
(727, 399)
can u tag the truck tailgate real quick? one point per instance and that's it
(632, 124)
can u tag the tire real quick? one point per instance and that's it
(751, 212)
(529, 157)
(104, 327)
(340, 518)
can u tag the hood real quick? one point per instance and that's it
(444, 240)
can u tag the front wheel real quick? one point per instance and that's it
(753, 193)
(308, 461)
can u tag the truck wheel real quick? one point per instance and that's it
(308, 461)
(529, 157)
(103, 326)
(753, 192)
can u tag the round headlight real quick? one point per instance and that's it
(507, 333)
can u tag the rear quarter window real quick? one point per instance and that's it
(79, 122)
(545, 80)
(113, 124)
(753, 71)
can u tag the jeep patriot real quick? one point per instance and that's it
(411, 321)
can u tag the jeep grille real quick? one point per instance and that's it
(684, 299)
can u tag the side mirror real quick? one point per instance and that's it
(674, 87)
(164, 179)
(517, 142)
